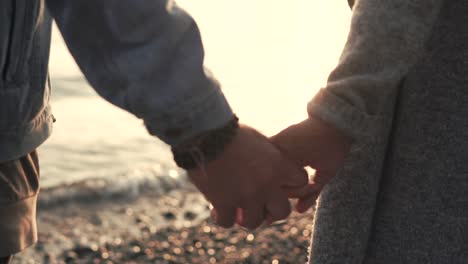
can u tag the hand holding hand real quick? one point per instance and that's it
(319, 145)
(248, 175)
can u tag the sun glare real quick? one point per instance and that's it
(270, 57)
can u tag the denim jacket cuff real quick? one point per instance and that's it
(192, 120)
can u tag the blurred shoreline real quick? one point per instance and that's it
(155, 180)
(172, 228)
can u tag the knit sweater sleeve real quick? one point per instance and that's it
(386, 39)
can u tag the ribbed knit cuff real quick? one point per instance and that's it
(342, 115)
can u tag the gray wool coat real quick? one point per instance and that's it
(401, 91)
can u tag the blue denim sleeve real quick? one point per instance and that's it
(147, 58)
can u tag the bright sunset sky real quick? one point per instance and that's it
(270, 56)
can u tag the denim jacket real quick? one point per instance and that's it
(143, 56)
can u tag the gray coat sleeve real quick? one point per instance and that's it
(386, 39)
(147, 58)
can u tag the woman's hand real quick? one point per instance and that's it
(248, 176)
(319, 145)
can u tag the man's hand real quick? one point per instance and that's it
(316, 144)
(248, 175)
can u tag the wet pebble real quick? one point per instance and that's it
(85, 250)
(70, 256)
(169, 216)
(189, 215)
(95, 219)
(205, 243)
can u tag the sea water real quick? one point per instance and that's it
(270, 56)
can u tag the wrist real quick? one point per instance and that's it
(331, 144)
(312, 141)
(206, 147)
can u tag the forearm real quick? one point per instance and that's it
(147, 58)
(386, 39)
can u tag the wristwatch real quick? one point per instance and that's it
(206, 147)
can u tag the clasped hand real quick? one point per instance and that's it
(251, 181)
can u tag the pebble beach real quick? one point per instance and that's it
(174, 228)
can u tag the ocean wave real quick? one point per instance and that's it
(152, 179)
